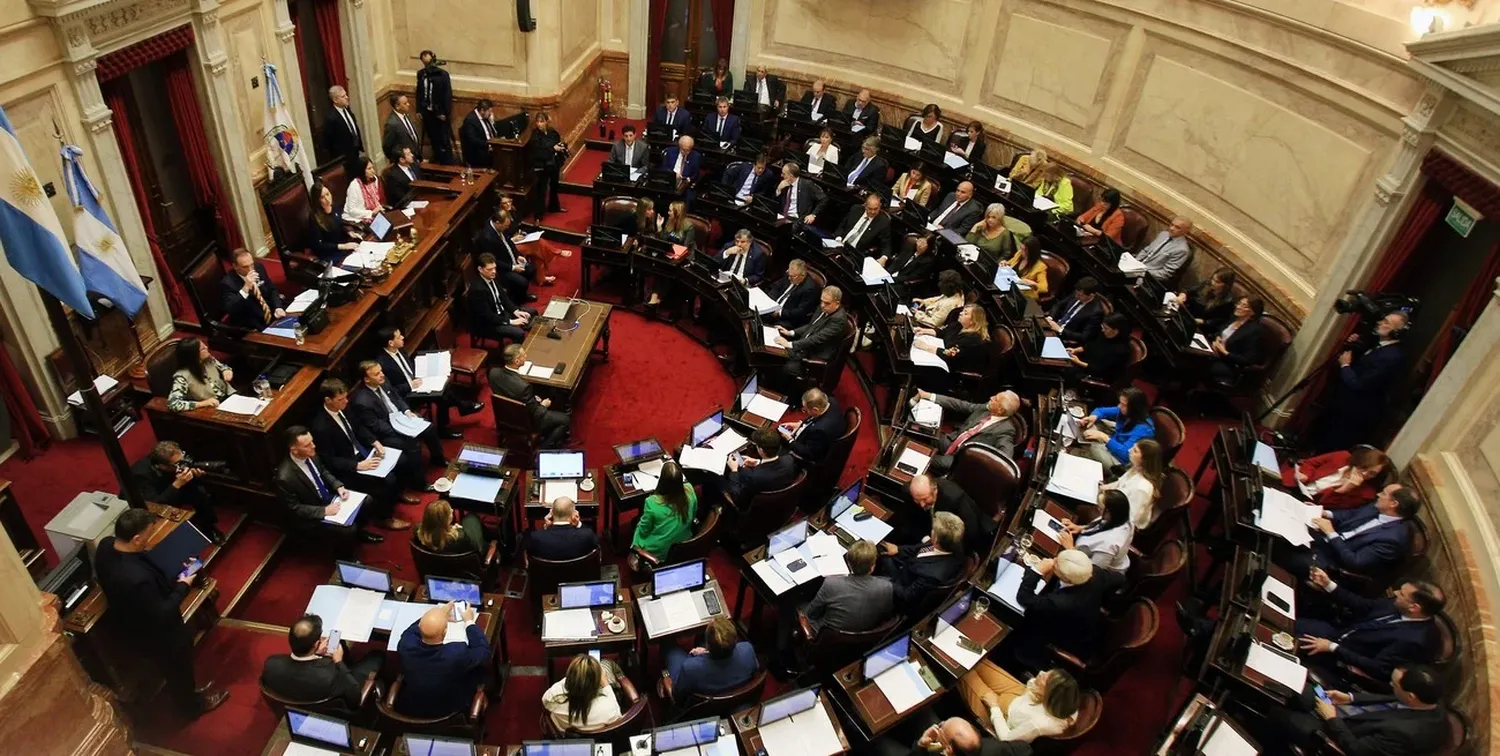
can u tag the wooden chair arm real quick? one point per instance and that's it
(628, 688)
(1067, 658)
(664, 687)
(1328, 745)
(645, 556)
(369, 691)
(395, 690)
(478, 705)
(806, 626)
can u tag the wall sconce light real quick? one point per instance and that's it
(1430, 16)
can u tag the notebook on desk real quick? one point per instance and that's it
(680, 597)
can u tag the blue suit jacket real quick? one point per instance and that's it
(701, 674)
(742, 485)
(680, 121)
(1375, 644)
(734, 178)
(440, 680)
(1363, 385)
(561, 544)
(395, 379)
(710, 129)
(755, 265)
(689, 164)
(366, 410)
(1379, 546)
(819, 433)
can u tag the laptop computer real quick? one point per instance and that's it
(578, 595)
(637, 452)
(845, 500)
(482, 460)
(705, 430)
(687, 735)
(428, 745)
(607, 237)
(615, 172)
(442, 589)
(380, 226)
(791, 541)
(885, 657)
(318, 731)
(559, 465)
(557, 748)
(749, 390)
(359, 576)
(786, 705)
(677, 596)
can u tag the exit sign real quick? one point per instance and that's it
(1461, 218)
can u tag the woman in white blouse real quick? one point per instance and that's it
(933, 311)
(821, 152)
(1106, 540)
(365, 198)
(585, 697)
(1141, 483)
(1046, 706)
(927, 127)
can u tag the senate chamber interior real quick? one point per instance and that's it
(761, 377)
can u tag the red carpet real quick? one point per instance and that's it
(656, 383)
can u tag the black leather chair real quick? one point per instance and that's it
(466, 725)
(334, 706)
(764, 514)
(988, 476)
(823, 477)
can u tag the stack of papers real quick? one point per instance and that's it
(954, 160)
(823, 556)
(1224, 740)
(762, 302)
(407, 425)
(370, 254)
(766, 407)
(645, 481)
(241, 404)
(968, 252)
(433, 369)
(912, 458)
(531, 237)
(873, 273)
(470, 487)
(1076, 478)
(872, 529)
(387, 463)
(1002, 184)
(552, 490)
(302, 302)
(540, 371)
(347, 509)
(831, 243)
(1265, 458)
(568, 624)
(806, 733)
(703, 458)
(1129, 265)
(912, 143)
(350, 611)
(102, 384)
(903, 686)
(1201, 342)
(1053, 348)
(416, 204)
(919, 356)
(1283, 515)
(927, 413)
(1276, 666)
(727, 441)
(407, 614)
(1042, 203)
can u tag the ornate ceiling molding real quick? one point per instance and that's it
(1460, 62)
(99, 25)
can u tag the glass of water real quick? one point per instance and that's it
(299, 334)
(980, 606)
(262, 387)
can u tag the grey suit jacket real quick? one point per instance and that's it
(852, 603)
(1164, 255)
(821, 338)
(395, 136)
(1001, 435)
(637, 160)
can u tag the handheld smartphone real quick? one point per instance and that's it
(191, 568)
(334, 638)
(1055, 526)
(796, 564)
(629, 479)
(1278, 602)
(457, 613)
(1321, 694)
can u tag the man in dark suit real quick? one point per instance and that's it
(863, 113)
(671, 120)
(800, 200)
(341, 134)
(1367, 369)
(475, 133)
(516, 272)
(400, 371)
(1409, 722)
(629, 151)
(930, 495)
(1379, 634)
(315, 672)
(723, 127)
(796, 295)
(1077, 318)
(162, 477)
(819, 103)
(372, 402)
(916, 571)
(249, 298)
(399, 131)
(747, 179)
(350, 451)
(562, 535)
(310, 492)
(1065, 613)
(769, 470)
(147, 609)
(682, 160)
(851, 603)
(958, 211)
(492, 313)
(1106, 355)
(440, 678)
(867, 169)
(435, 101)
(743, 259)
(866, 229)
(399, 175)
(508, 382)
(913, 268)
(765, 89)
(992, 423)
(811, 438)
(1364, 539)
(819, 339)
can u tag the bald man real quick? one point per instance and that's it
(990, 423)
(562, 536)
(959, 211)
(863, 113)
(930, 495)
(440, 677)
(682, 160)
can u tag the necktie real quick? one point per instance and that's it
(1389, 619)
(1354, 710)
(384, 397)
(485, 124)
(495, 293)
(970, 433)
(407, 170)
(859, 229)
(785, 294)
(409, 129)
(745, 187)
(1149, 253)
(359, 449)
(815, 104)
(323, 492)
(629, 151)
(720, 130)
(738, 269)
(1068, 316)
(857, 111)
(854, 174)
(791, 199)
(939, 220)
(265, 309)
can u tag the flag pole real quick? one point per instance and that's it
(93, 403)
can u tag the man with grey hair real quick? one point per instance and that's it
(862, 113)
(507, 381)
(341, 137)
(820, 339)
(1164, 255)
(990, 423)
(867, 169)
(743, 260)
(562, 535)
(682, 160)
(810, 439)
(916, 570)
(723, 127)
(1065, 615)
(819, 103)
(796, 296)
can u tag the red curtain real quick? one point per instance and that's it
(1429, 205)
(159, 47)
(329, 33)
(653, 55)
(301, 54)
(200, 159)
(1462, 183)
(177, 300)
(26, 422)
(723, 11)
(1467, 313)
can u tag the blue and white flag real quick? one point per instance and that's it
(283, 145)
(30, 233)
(107, 268)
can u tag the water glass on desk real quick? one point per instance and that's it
(980, 605)
(299, 334)
(262, 387)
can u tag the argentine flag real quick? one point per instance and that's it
(106, 265)
(30, 233)
(283, 145)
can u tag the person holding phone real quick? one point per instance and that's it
(440, 677)
(1106, 540)
(315, 668)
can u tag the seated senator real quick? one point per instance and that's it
(200, 379)
(315, 672)
(796, 295)
(585, 697)
(440, 678)
(990, 423)
(1105, 218)
(562, 535)
(1141, 483)
(329, 239)
(928, 495)
(918, 570)
(1411, 721)
(820, 339)
(928, 126)
(965, 340)
(1065, 613)
(913, 266)
(933, 312)
(1343, 479)
(1106, 540)
(1056, 186)
(743, 259)
(769, 470)
(1028, 167)
(969, 144)
(1106, 355)
(492, 312)
(1045, 706)
(747, 179)
(810, 439)
(1109, 432)
(1365, 539)
(1372, 636)
(990, 234)
(667, 515)
(365, 198)
(246, 293)
(1076, 319)
(1029, 266)
(1239, 343)
(507, 381)
(822, 152)
(723, 662)
(866, 230)
(440, 534)
(1211, 301)
(915, 186)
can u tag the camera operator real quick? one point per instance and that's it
(1368, 365)
(168, 476)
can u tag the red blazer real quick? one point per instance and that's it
(1328, 464)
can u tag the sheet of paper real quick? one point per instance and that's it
(387, 463)
(968, 252)
(470, 487)
(652, 467)
(531, 237)
(241, 404)
(902, 309)
(927, 413)
(407, 425)
(1008, 584)
(771, 576)
(766, 407)
(1282, 669)
(703, 458)
(1053, 348)
(347, 509)
(822, 544)
(1076, 478)
(828, 566)
(1043, 520)
(326, 602)
(768, 336)
(1284, 516)
(902, 686)
(924, 358)
(727, 441)
(357, 617)
(1128, 264)
(102, 384)
(856, 127)
(912, 143)
(540, 371)
(679, 609)
(947, 640)
(1265, 458)
(815, 167)
(645, 481)
(1201, 342)
(806, 733)
(434, 365)
(568, 624)
(552, 490)
(789, 557)
(762, 302)
(1224, 740)
(302, 749)
(954, 160)
(417, 204)
(387, 614)
(871, 529)
(335, 271)
(431, 385)
(1002, 184)
(831, 243)
(408, 212)
(1042, 203)
(872, 273)
(912, 458)
(1273, 587)
(303, 301)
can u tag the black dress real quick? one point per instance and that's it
(324, 242)
(546, 163)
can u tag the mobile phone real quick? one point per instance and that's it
(629, 479)
(1278, 602)
(796, 564)
(457, 614)
(1055, 526)
(1321, 694)
(190, 568)
(334, 638)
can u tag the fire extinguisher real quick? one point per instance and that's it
(606, 100)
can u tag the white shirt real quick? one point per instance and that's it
(604, 709)
(832, 156)
(484, 123)
(1371, 525)
(957, 203)
(355, 210)
(343, 424)
(629, 152)
(310, 470)
(1109, 549)
(390, 406)
(400, 359)
(791, 199)
(763, 91)
(738, 268)
(858, 169)
(677, 167)
(1027, 718)
(348, 120)
(405, 122)
(745, 188)
(1141, 494)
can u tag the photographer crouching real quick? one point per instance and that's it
(169, 476)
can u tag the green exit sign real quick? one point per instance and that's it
(1461, 217)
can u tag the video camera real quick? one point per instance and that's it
(1375, 306)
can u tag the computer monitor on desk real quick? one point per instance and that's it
(607, 237)
(693, 734)
(749, 390)
(481, 460)
(442, 589)
(557, 748)
(429, 745)
(786, 705)
(615, 172)
(1022, 194)
(680, 577)
(360, 576)
(318, 731)
(845, 500)
(885, 657)
(982, 174)
(559, 465)
(636, 452)
(578, 595)
(706, 429)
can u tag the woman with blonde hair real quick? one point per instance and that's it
(438, 533)
(991, 235)
(964, 340)
(1056, 186)
(1141, 484)
(1021, 712)
(1028, 168)
(585, 697)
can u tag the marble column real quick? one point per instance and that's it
(289, 74)
(544, 50)
(359, 63)
(1365, 244)
(226, 127)
(1470, 360)
(636, 106)
(739, 45)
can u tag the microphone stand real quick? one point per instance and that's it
(1303, 384)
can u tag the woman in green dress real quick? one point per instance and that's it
(991, 235)
(667, 516)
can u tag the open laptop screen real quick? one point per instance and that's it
(360, 576)
(426, 745)
(558, 465)
(334, 732)
(846, 500)
(575, 595)
(682, 577)
(887, 656)
(706, 429)
(446, 589)
(786, 705)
